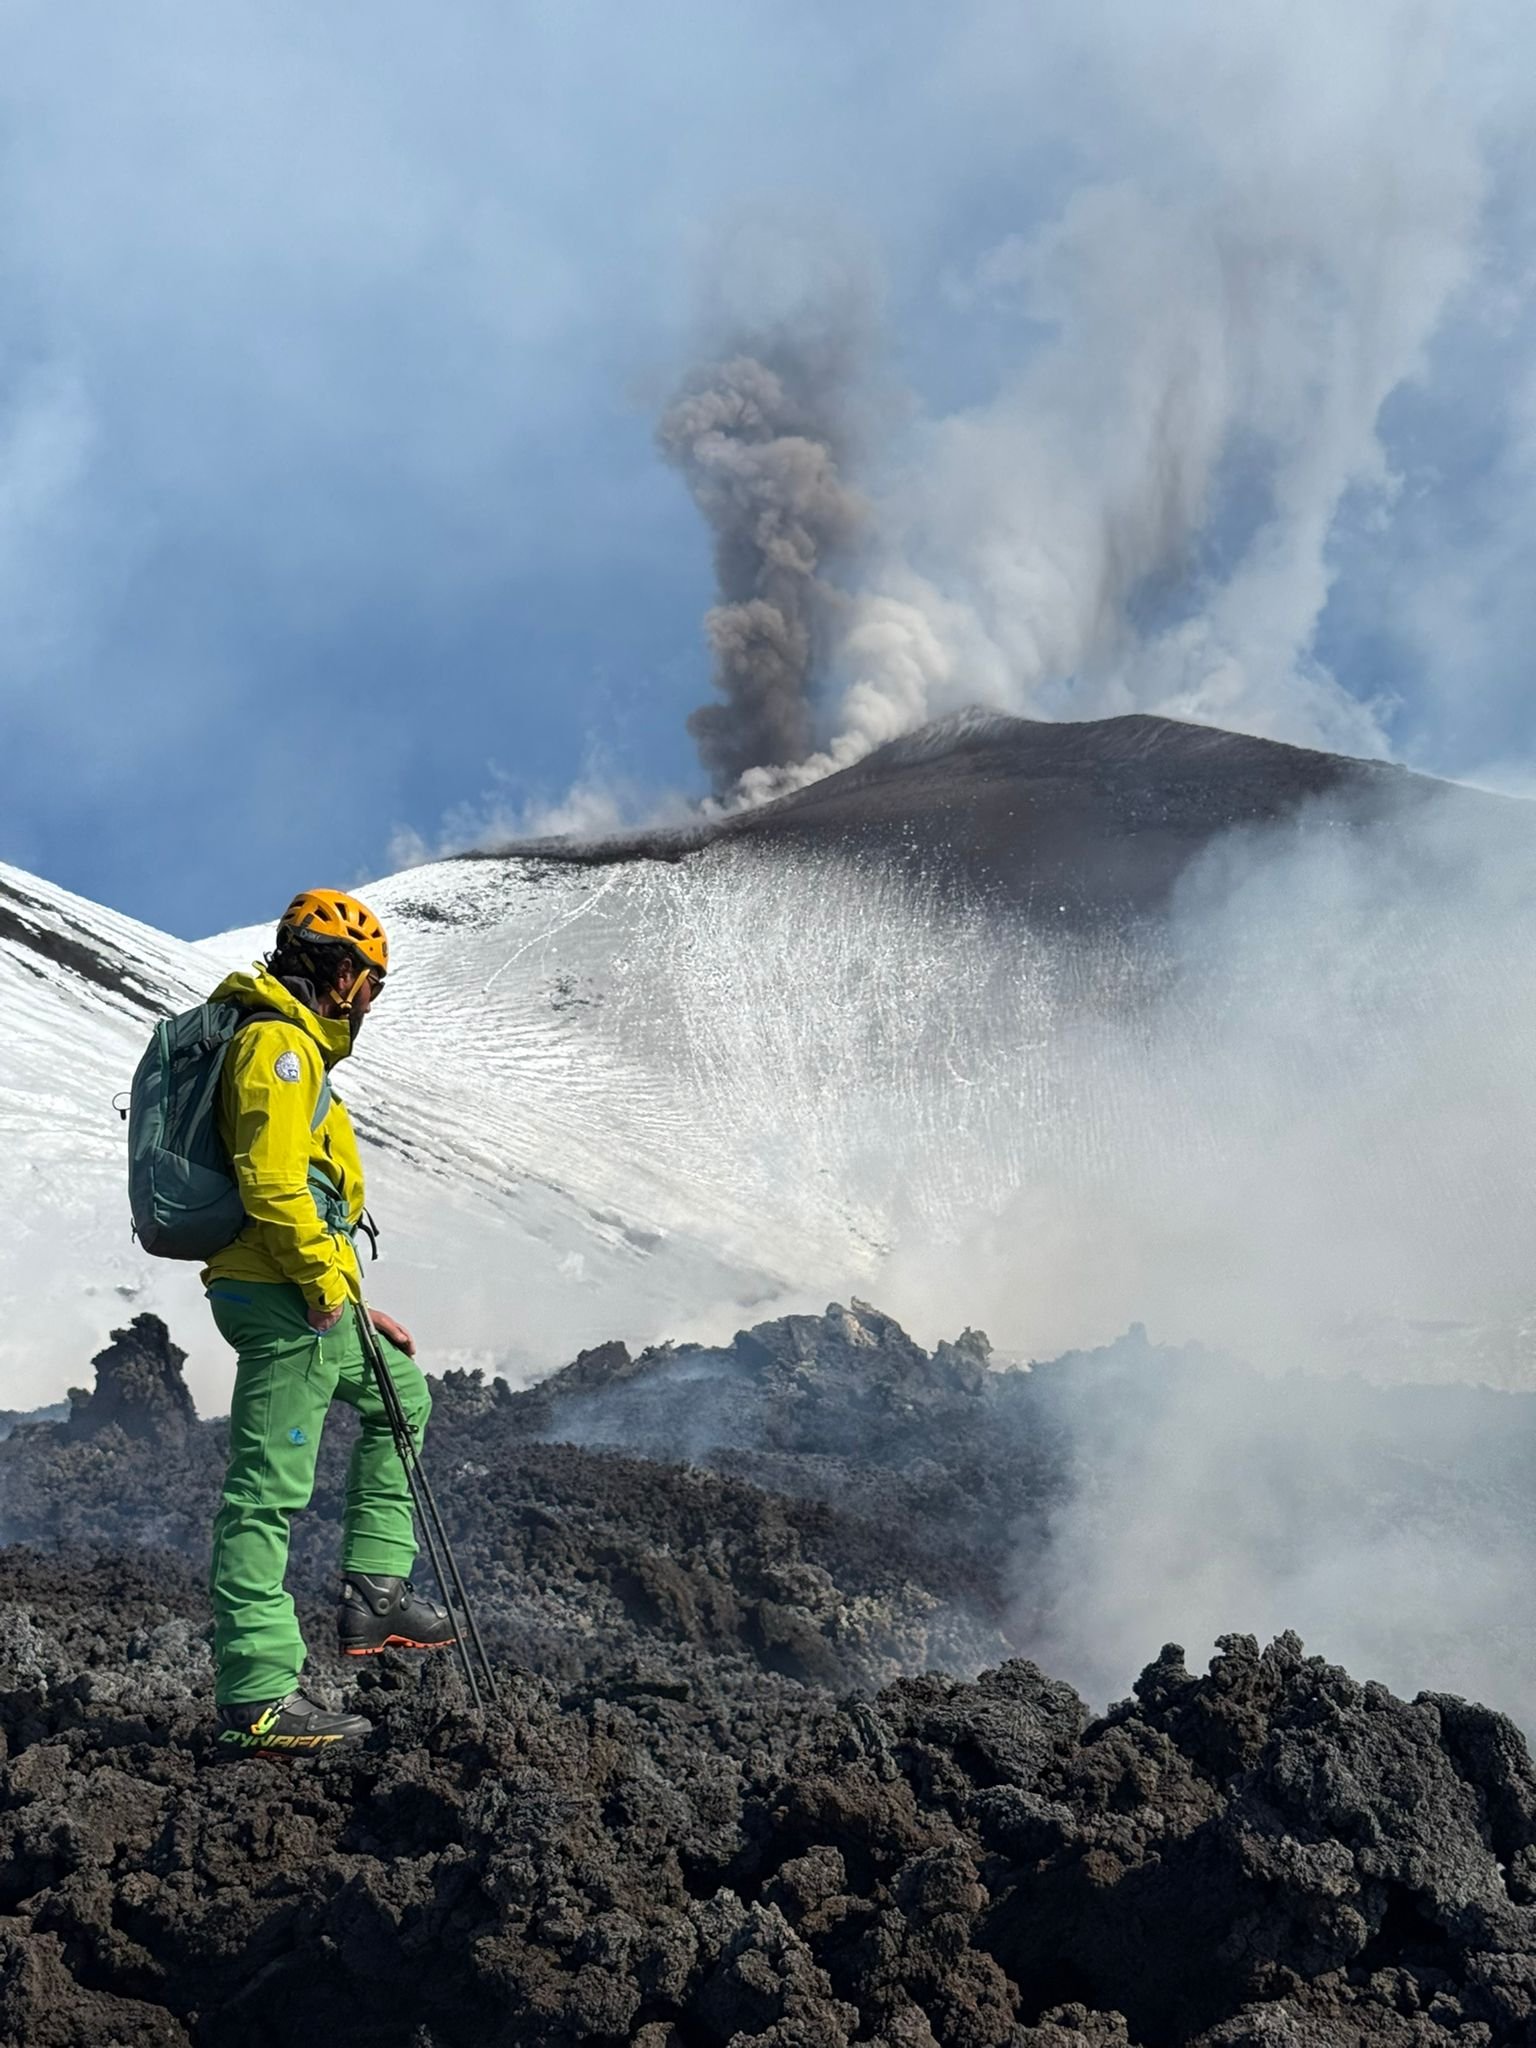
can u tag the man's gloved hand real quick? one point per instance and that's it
(325, 1319)
(397, 1333)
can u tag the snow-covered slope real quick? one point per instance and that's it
(79, 989)
(520, 1222)
(1264, 1077)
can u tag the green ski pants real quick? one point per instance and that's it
(286, 1377)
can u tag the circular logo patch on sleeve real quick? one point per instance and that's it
(288, 1068)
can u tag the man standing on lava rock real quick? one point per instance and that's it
(287, 1294)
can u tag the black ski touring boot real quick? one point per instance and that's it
(293, 1726)
(388, 1614)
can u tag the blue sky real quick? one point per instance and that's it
(332, 346)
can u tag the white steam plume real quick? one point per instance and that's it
(1139, 517)
(1296, 1125)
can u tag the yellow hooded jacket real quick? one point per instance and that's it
(268, 1092)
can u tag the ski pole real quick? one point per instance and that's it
(439, 1549)
(405, 1450)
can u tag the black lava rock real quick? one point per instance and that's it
(139, 1387)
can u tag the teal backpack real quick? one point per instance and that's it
(181, 1183)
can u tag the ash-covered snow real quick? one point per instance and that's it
(1054, 1027)
(497, 1235)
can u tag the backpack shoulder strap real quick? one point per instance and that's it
(261, 1017)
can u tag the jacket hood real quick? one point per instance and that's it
(256, 989)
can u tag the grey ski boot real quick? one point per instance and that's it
(388, 1614)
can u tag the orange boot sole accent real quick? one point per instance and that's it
(399, 1643)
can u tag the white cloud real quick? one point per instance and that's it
(351, 331)
(601, 802)
(1283, 209)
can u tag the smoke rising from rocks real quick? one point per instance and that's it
(1295, 1124)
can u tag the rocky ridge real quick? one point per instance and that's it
(583, 1558)
(721, 1802)
(1075, 823)
(1268, 1853)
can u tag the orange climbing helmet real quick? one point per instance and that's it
(330, 914)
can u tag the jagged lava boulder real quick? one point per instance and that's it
(850, 1379)
(1270, 1853)
(581, 1558)
(139, 1387)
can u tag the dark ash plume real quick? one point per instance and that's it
(759, 444)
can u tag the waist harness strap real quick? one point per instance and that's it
(330, 1204)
